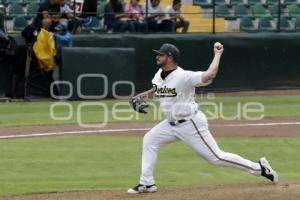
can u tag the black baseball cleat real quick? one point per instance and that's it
(142, 189)
(267, 171)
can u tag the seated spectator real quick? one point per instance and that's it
(116, 19)
(50, 9)
(174, 13)
(67, 13)
(135, 12)
(156, 20)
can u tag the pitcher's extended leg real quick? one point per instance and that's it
(205, 145)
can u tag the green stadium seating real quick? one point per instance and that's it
(20, 23)
(235, 2)
(285, 25)
(272, 2)
(247, 25)
(297, 24)
(265, 24)
(15, 10)
(94, 26)
(260, 11)
(31, 1)
(253, 2)
(275, 9)
(202, 3)
(11, 1)
(100, 10)
(218, 2)
(289, 2)
(294, 10)
(241, 10)
(222, 10)
(2, 9)
(32, 10)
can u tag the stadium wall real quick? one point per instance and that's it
(250, 61)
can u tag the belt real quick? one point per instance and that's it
(175, 123)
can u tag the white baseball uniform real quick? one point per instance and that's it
(184, 122)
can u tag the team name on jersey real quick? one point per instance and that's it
(164, 91)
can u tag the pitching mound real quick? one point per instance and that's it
(253, 191)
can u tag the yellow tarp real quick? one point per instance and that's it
(44, 49)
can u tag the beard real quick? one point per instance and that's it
(161, 64)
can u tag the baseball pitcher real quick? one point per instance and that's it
(175, 88)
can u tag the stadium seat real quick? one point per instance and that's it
(203, 3)
(274, 10)
(265, 24)
(222, 10)
(2, 9)
(241, 10)
(297, 24)
(15, 10)
(31, 1)
(235, 2)
(94, 26)
(260, 11)
(253, 2)
(100, 10)
(285, 25)
(32, 10)
(289, 2)
(247, 25)
(272, 2)
(218, 2)
(11, 1)
(294, 10)
(20, 23)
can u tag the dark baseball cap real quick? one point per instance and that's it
(169, 50)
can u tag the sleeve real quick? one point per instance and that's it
(127, 8)
(67, 9)
(194, 79)
(156, 77)
(168, 11)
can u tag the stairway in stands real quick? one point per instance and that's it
(197, 22)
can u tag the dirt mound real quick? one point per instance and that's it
(253, 191)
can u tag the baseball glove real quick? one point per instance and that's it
(138, 104)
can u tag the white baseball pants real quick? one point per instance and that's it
(195, 133)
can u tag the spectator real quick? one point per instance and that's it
(115, 18)
(174, 13)
(50, 9)
(67, 13)
(62, 36)
(135, 12)
(44, 47)
(156, 18)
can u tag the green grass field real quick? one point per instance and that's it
(71, 163)
(38, 113)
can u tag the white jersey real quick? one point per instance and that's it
(176, 93)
